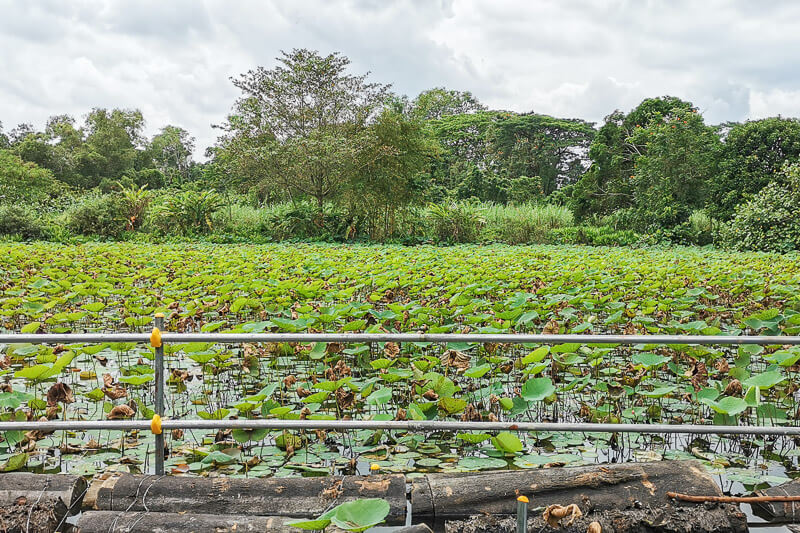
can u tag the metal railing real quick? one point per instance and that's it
(349, 338)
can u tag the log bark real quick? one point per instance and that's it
(592, 488)
(779, 512)
(144, 522)
(416, 528)
(289, 497)
(69, 489)
(718, 518)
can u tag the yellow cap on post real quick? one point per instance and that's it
(155, 338)
(155, 425)
(374, 467)
(523, 499)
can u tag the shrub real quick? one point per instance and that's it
(593, 236)
(305, 220)
(189, 212)
(456, 221)
(241, 221)
(102, 215)
(134, 202)
(21, 181)
(770, 220)
(526, 223)
(20, 221)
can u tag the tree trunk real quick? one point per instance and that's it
(719, 518)
(143, 522)
(69, 489)
(291, 497)
(592, 488)
(38, 503)
(779, 511)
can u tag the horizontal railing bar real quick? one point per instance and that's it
(405, 425)
(505, 338)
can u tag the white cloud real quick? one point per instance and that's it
(576, 58)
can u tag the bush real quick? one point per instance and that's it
(20, 221)
(769, 221)
(22, 181)
(102, 215)
(305, 220)
(526, 224)
(242, 221)
(456, 221)
(187, 213)
(593, 236)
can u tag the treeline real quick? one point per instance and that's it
(310, 150)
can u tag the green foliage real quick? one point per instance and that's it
(20, 221)
(525, 224)
(751, 157)
(102, 215)
(304, 146)
(593, 235)
(392, 154)
(439, 102)
(171, 151)
(456, 221)
(305, 220)
(655, 162)
(188, 212)
(21, 181)
(770, 220)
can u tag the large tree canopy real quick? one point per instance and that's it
(655, 160)
(752, 157)
(297, 120)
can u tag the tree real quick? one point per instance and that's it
(769, 220)
(678, 157)
(539, 145)
(111, 146)
(752, 156)
(297, 119)
(171, 151)
(675, 133)
(440, 102)
(393, 152)
(22, 181)
(4, 142)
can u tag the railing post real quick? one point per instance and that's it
(522, 514)
(159, 400)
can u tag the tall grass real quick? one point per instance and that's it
(526, 223)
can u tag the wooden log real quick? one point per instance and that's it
(291, 497)
(44, 515)
(592, 488)
(779, 512)
(144, 522)
(717, 518)
(416, 528)
(66, 488)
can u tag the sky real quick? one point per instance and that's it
(173, 59)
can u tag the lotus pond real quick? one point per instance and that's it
(487, 289)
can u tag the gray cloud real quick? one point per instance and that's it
(577, 58)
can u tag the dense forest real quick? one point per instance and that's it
(311, 150)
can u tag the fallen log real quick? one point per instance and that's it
(38, 502)
(416, 528)
(32, 487)
(779, 512)
(288, 497)
(592, 488)
(43, 516)
(718, 518)
(144, 522)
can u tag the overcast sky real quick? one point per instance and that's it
(173, 58)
